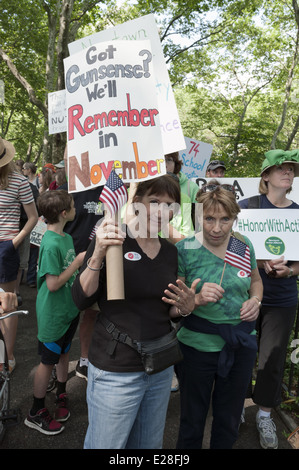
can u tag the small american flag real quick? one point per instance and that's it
(238, 255)
(114, 194)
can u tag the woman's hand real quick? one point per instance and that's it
(108, 234)
(279, 266)
(250, 309)
(8, 301)
(181, 297)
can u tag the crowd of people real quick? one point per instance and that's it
(188, 314)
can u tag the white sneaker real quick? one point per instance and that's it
(267, 430)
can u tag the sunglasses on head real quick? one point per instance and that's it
(207, 188)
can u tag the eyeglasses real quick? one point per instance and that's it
(207, 188)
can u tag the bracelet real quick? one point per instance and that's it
(94, 269)
(183, 314)
(258, 299)
(291, 273)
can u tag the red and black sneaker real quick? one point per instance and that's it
(44, 423)
(62, 412)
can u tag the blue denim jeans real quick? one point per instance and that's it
(126, 410)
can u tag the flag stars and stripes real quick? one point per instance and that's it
(114, 194)
(238, 255)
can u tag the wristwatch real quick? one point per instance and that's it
(291, 273)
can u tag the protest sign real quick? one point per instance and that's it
(113, 118)
(195, 158)
(57, 112)
(273, 233)
(38, 231)
(138, 30)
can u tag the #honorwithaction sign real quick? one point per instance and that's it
(274, 233)
(112, 114)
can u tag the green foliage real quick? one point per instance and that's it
(228, 62)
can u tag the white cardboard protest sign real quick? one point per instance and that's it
(257, 224)
(38, 231)
(273, 233)
(247, 187)
(195, 157)
(57, 118)
(145, 28)
(113, 117)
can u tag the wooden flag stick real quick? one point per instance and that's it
(115, 272)
(222, 274)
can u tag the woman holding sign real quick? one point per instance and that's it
(133, 346)
(279, 303)
(218, 338)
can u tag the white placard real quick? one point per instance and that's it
(247, 187)
(38, 232)
(273, 233)
(57, 118)
(145, 28)
(195, 157)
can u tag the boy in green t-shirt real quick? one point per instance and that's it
(57, 315)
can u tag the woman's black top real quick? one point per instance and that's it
(142, 315)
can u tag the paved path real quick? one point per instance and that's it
(21, 437)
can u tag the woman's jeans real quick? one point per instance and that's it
(126, 410)
(200, 386)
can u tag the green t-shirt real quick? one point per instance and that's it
(195, 261)
(55, 310)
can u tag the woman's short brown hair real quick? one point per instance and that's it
(219, 198)
(165, 184)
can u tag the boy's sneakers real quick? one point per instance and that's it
(44, 423)
(267, 430)
(62, 413)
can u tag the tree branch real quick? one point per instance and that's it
(31, 93)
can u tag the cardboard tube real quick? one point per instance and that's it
(115, 273)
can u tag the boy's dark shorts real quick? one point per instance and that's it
(9, 262)
(50, 352)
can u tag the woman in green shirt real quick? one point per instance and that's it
(218, 338)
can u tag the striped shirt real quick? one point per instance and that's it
(18, 192)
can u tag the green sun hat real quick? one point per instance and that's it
(278, 157)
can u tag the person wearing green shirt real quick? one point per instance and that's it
(218, 337)
(57, 315)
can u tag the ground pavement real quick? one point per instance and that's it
(21, 437)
